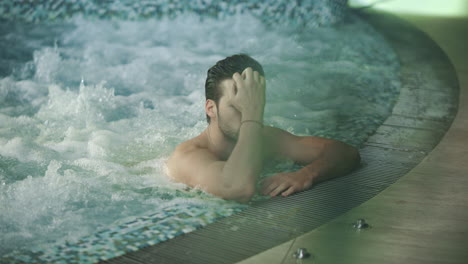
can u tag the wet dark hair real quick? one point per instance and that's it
(224, 69)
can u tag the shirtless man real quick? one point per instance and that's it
(226, 159)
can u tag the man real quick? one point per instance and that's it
(226, 159)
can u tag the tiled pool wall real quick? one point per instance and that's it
(130, 236)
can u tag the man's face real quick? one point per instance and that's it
(229, 118)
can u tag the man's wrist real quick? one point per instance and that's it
(253, 121)
(252, 116)
(309, 173)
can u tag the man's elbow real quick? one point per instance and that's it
(246, 196)
(349, 153)
(354, 157)
(241, 194)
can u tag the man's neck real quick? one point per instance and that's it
(218, 143)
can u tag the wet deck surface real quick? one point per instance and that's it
(424, 112)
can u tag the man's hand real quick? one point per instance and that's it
(286, 183)
(248, 95)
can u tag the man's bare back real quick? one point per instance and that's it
(227, 157)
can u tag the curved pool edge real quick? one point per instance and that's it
(397, 146)
(422, 218)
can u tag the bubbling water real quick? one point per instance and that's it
(87, 124)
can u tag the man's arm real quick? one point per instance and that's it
(323, 159)
(241, 170)
(245, 162)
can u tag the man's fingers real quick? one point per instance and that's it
(269, 185)
(288, 191)
(279, 189)
(247, 73)
(238, 82)
(256, 76)
(267, 188)
(235, 88)
(230, 93)
(237, 77)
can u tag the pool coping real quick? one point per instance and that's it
(403, 140)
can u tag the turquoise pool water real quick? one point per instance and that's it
(91, 108)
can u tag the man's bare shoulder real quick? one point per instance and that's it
(182, 159)
(186, 147)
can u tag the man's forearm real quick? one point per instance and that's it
(336, 159)
(245, 162)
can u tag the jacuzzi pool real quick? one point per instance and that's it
(91, 105)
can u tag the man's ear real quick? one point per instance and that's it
(210, 109)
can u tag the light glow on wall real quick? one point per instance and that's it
(449, 8)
